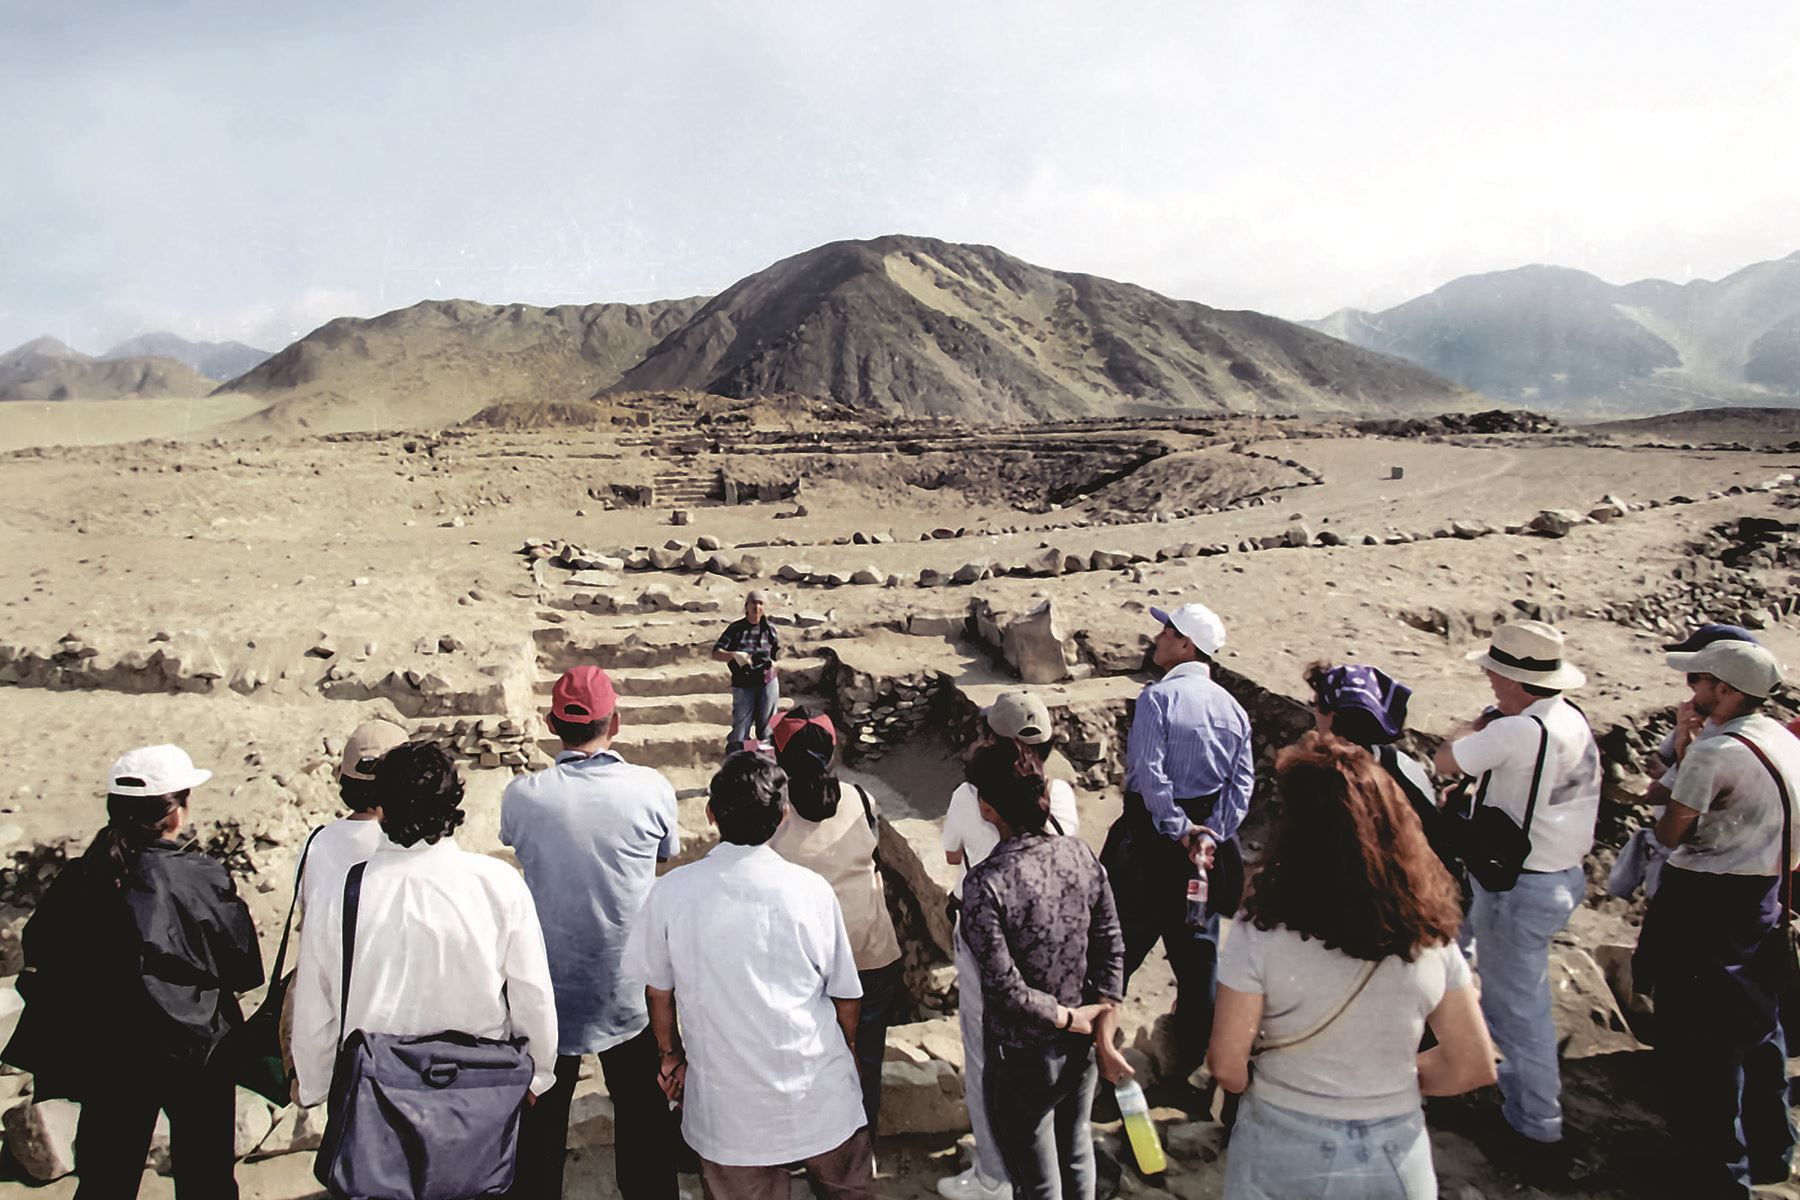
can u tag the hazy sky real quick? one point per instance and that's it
(222, 171)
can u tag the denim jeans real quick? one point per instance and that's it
(880, 986)
(1039, 1100)
(1279, 1154)
(1512, 932)
(752, 707)
(968, 1013)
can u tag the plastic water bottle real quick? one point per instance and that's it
(1135, 1111)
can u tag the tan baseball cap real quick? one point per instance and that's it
(367, 743)
(1749, 668)
(1019, 715)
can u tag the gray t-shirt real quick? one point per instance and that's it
(1364, 1067)
(1739, 831)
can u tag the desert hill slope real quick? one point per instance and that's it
(46, 369)
(1565, 339)
(215, 360)
(441, 361)
(923, 327)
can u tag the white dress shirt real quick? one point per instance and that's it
(1568, 803)
(754, 948)
(335, 849)
(440, 935)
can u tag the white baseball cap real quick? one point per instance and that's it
(1196, 622)
(154, 771)
(1749, 668)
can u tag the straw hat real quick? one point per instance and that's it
(1529, 652)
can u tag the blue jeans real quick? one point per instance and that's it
(1279, 1154)
(1039, 1100)
(1512, 932)
(752, 705)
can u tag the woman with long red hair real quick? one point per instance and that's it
(1344, 952)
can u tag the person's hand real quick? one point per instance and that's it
(671, 1076)
(1654, 766)
(1113, 1066)
(530, 1099)
(1080, 1020)
(1487, 717)
(741, 658)
(1201, 847)
(1687, 727)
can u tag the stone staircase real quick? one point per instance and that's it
(674, 703)
(684, 484)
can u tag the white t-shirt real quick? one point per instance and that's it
(1365, 1065)
(754, 948)
(1739, 831)
(966, 830)
(338, 847)
(445, 940)
(1562, 828)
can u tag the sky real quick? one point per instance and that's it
(227, 171)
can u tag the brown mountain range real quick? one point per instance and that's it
(45, 369)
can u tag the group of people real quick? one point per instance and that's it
(1383, 945)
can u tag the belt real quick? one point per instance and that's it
(1198, 808)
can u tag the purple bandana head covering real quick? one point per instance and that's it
(1372, 691)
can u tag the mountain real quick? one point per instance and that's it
(45, 369)
(923, 327)
(215, 360)
(441, 361)
(1566, 340)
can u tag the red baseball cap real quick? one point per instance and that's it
(794, 720)
(582, 694)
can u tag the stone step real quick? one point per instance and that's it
(709, 708)
(695, 678)
(675, 744)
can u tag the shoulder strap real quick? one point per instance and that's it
(1055, 824)
(1356, 989)
(1787, 829)
(868, 808)
(352, 901)
(1537, 773)
(287, 926)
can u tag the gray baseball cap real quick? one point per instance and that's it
(1019, 715)
(1746, 666)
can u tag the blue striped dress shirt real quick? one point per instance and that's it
(1188, 739)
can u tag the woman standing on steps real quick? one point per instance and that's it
(1343, 953)
(134, 959)
(831, 829)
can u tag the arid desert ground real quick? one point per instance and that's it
(253, 600)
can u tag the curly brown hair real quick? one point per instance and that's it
(1347, 861)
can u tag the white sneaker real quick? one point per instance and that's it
(973, 1185)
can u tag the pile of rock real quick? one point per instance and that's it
(489, 742)
(878, 712)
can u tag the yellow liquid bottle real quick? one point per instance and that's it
(1135, 1110)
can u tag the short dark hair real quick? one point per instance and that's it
(1010, 777)
(1542, 693)
(748, 796)
(421, 793)
(360, 795)
(578, 733)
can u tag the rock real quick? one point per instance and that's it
(664, 558)
(1588, 1020)
(11, 1005)
(1614, 961)
(793, 572)
(1156, 1041)
(679, 517)
(930, 578)
(1193, 1141)
(1297, 534)
(1036, 647)
(41, 1137)
(939, 1039)
(1327, 537)
(1469, 530)
(922, 1098)
(656, 598)
(1108, 560)
(254, 1121)
(1555, 522)
(708, 542)
(1046, 562)
(913, 849)
(970, 573)
(590, 1116)
(935, 624)
(866, 576)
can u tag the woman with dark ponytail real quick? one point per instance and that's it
(133, 962)
(835, 834)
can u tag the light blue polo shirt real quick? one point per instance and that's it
(589, 832)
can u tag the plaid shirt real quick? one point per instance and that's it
(760, 642)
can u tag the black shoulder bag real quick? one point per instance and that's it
(251, 1053)
(1495, 847)
(419, 1117)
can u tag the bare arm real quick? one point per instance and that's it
(1112, 1063)
(1236, 1018)
(671, 1071)
(1444, 761)
(848, 1013)
(1463, 1059)
(1676, 823)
